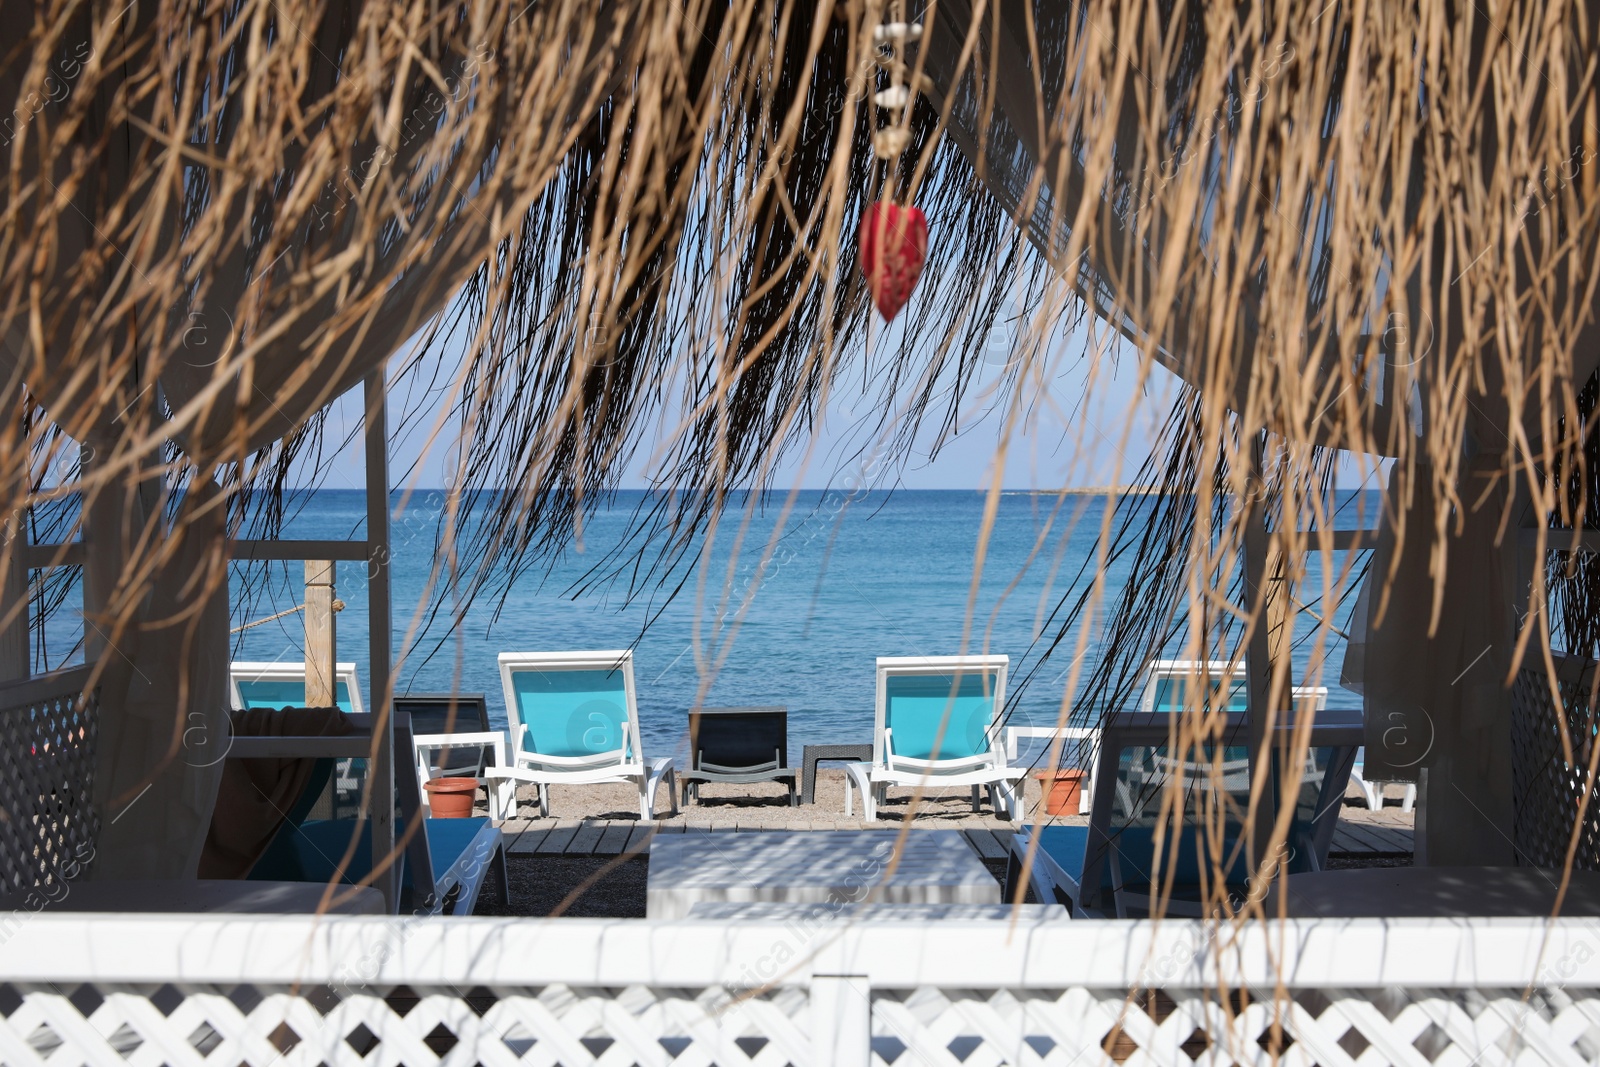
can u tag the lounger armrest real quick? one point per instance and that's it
(493, 740)
(479, 737)
(615, 758)
(951, 765)
(943, 766)
(754, 768)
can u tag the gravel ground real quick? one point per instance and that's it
(600, 887)
(761, 804)
(1356, 862)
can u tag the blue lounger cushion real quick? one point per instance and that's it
(1065, 845)
(311, 852)
(1172, 695)
(288, 693)
(1068, 846)
(449, 839)
(920, 707)
(571, 712)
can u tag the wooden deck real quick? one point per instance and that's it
(1384, 833)
(1374, 833)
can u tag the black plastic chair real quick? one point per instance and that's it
(739, 745)
(446, 713)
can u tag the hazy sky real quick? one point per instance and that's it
(1070, 436)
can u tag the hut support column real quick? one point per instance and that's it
(15, 662)
(1464, 804)
(381, 774)
(1258, 657)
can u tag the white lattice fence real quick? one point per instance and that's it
(49, 727)
(976, 1028)
(147, 1023)
(208, 990)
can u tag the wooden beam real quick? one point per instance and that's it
(1348, 540)
(355, 551)
(287, 747)
(47, 557)
(1560, 540)
(1354, 540)
(55, 684)
(70, 554)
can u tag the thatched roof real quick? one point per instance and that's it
(1367, 227)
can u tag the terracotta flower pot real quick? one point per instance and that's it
(451, 798)
(1061, 790)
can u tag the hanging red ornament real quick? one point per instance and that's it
(894, 246)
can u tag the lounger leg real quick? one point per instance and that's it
(977, 804)
(856, 775)
(1003, 797)
(502, 798)
(504, 896)
(1013, 877)
(1410, 799)
(646, 808)
(1371, 791)
(544, 799)
(997, 803)
(672, 788)
(1113, 858)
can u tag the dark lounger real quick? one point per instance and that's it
(442, 713)
(739, 745)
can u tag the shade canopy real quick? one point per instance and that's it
(1371, 229)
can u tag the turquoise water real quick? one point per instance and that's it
(850, 579)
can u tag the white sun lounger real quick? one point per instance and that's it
(937, 724)
(575, 721)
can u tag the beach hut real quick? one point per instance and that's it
(1368, 230)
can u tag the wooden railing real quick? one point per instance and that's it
(340, 990)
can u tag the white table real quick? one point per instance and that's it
(1436, 892)
(835, 867)
(809, 914)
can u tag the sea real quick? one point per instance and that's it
(794, 615)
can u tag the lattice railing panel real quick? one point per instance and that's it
(366, 991)
(940, 1027)
(47, 758)
(1547, 789)
(190, 1026)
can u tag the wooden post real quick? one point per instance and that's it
(1267, 600)
(321, 637)
(101, 562)
(16, 660)
(381, 774)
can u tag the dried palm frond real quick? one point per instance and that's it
(1365, 228)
